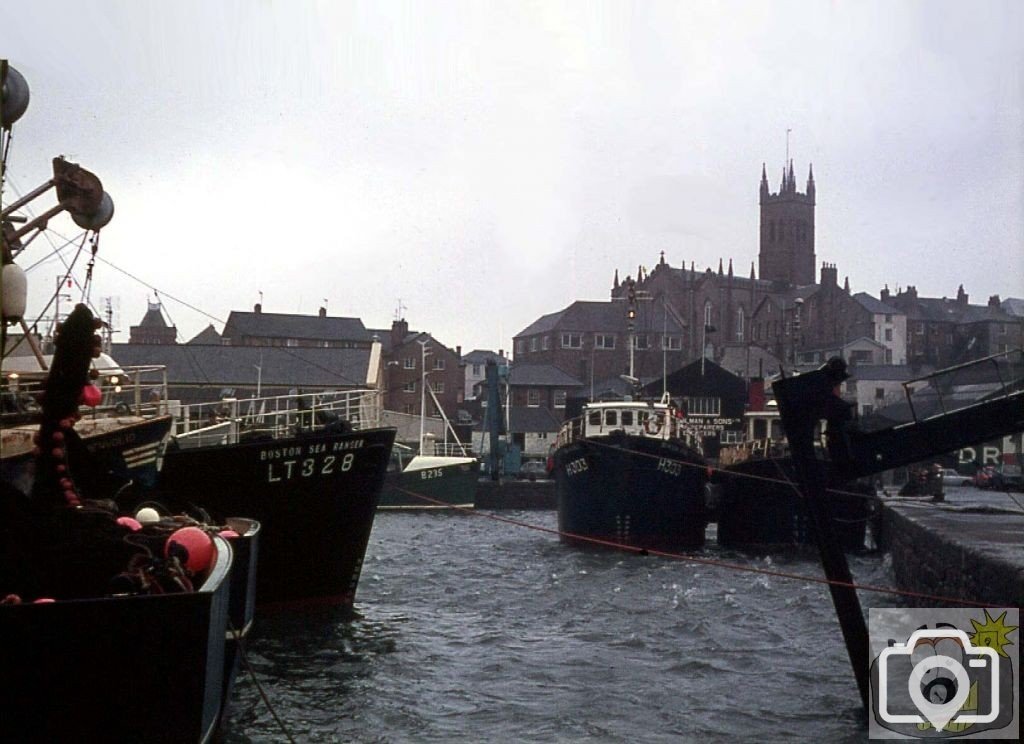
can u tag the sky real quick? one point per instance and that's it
(475, 165)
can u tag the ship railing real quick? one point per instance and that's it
(449, 449)
(276, 416)
(965, 385)
(125, 391)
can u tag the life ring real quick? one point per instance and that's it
(653, 425)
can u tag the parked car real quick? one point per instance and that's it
(533, 469)
(983, 477)
(952, 478)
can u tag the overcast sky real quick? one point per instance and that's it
(488, 163)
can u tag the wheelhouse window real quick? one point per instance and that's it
(604, 341)
(627, 418)
(594, 419)
(611, 417)
(572, 340)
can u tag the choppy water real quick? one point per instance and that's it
(470, 629)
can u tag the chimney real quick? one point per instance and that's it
(961, 296)
(884, 294)
(257, 308)
(458, 351)
(323, 312)
(399, 330)
(829, 275)
(501, 353)
(994, 301)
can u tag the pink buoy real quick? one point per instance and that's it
(58, 453)
(57, 437)
(44, 600)
(228, 533)
(91, 396)
(193, 547)
(130, 523)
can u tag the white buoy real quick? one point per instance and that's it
(13, 293)
(147, 515)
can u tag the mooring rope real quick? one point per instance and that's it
(689, 557)
(255, 680)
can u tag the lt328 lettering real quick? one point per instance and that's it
(310, 467)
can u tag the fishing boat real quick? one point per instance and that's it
(439, 475)
(627, 473)
(759, 505)
(112, 628)
(109, 630)
(308, 468)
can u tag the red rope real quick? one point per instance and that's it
(703, 561)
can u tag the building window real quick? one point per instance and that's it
(547, 343)
(520, 346)
(879, 393)
(740, 318)
(408, 408)
(703, 406)
(888, 334)
(533, 344)
(437, 387)
(533, 397)
(476, 370)
(409, 387)
(641, 341)
(604, 341)
(888, 317)
(409, 363)
(439, 364)
(671, 343)
(559, 399)
(729, 436)
(572, 340)
(707, 313)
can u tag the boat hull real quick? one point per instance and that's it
(136, 668)
(118, 452)
(431, 488)
(642, 492)
(314, 496)
(757, 511)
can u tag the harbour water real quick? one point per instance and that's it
(472, 629)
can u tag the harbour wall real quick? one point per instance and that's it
(968, 549)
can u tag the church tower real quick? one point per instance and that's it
(787, 230)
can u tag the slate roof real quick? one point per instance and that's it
(541, 375)
(236, 365)
(208, 337)
(607, 315)
(283, 325)
(481, 356)
(1014, 306)
(735, 359)
(874, 305)
(153, 318)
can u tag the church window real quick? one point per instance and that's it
(739, 323)
(707, 313)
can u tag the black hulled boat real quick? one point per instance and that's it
(307, 474)
(627, 474)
